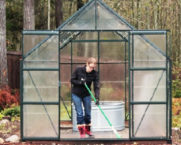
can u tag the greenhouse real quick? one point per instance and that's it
(134, 70)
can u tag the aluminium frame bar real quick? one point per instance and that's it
(91, 30)
(40, 103)
(21, 97)
(71, 70)
(122, 62)
(96, 15)
(59, 87)
(98, 52)
(132, 85)
(40, 32)
(169, 86)
(129, 84)
(166, 79)
(125, 89)
(149, 138)
(147, 102)
(21, 89)
(98, 40)
(40, 69)
(170, 100)
(147, 69)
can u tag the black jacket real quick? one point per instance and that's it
(78, 87)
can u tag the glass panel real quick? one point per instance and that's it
(116, 69)
(107, 20)
(65, 93)
(112, 86)
(65, 54)
(110, 36)
(146, 54)
(87, 36)
(149, 86)
(65, 73)
(43, 55)
(112, 51)
(65, 112)
(149, 120)
(82, 21)
(40, 86)
(158, 40)
(112, 91)
(83, 50)
(40, 120)
(30, 41)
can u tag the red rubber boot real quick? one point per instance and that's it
(81, 129)
(88, 130)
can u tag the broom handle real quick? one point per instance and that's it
(110, 124)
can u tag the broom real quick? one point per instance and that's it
(110, 124)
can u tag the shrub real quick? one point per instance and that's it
(176, 112)
(176, 82)
(12, 112)
(1, 116)
(8, 97)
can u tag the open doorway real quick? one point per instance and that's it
(110, 48)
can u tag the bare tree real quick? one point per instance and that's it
(29, 23)
(49, 9)
(29, 16)
(58, 12)
(3, 51)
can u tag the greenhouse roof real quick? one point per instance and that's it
(95, 15)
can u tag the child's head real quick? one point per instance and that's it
(91, 64)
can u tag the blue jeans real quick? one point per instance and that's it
(82, 117)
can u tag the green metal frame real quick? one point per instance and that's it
(128, 61)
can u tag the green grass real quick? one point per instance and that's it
(64, 114)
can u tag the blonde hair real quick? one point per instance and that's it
(91, 60)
